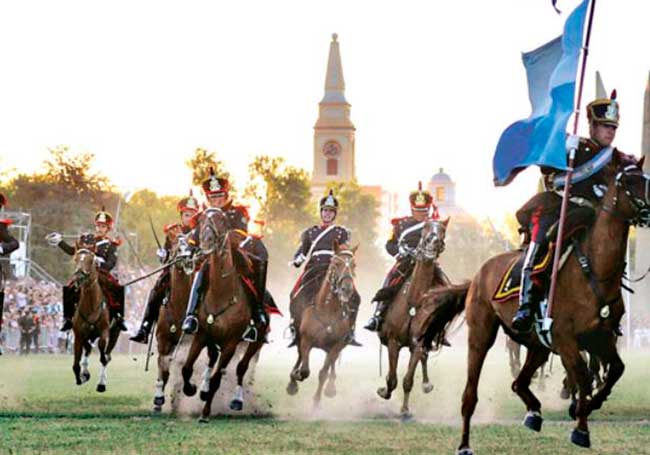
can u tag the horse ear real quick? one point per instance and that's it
(640, 162)
(446, 222)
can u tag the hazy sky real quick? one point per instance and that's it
(432, 84)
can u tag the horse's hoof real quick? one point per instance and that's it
(564, 393)
(383, 392)
(78, 382)
(85, 377)
(330, 392)
(572, 409)
(236, 405)
(203, 395)
(101, 388)
(580, 438)
(427, 387)
(405, 417)
(292, 388)
(157, 409)
(466, 451)
(203, 419)
(158, 401)
(533, 421)
(189, 390)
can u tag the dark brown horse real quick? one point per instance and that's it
(91, 320)
(327, 323)
(586, 311)
(170, 318)
(396, 331)
(225, 313)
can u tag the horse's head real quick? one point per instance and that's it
(85, 269)
(632, 195)
(432, 240)
(213, 231)
(181, 250)
(341, 272)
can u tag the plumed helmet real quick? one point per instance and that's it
(104, 217)
(214, 184)
(329, 202)
(189, 203)
(604, 111)
(421, 200)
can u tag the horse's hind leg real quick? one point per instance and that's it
(482, 331)
(407, 382)
(427, 387)
(391, 378)
(196, 347)
(76, 368)
(237, 403)
(330, 359)
(215, 382)
(535, 357)
(103, 359)
(213, 356)
(292, 387)
(615, 367)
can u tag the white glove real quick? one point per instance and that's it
(161, 253)
(2, 251)
(54, 238)
(572, 142)
(403, 251)
(99, 261)
(297, 261)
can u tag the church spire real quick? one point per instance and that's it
(334, 82)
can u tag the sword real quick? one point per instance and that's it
(155, 236)
(153, 272)
(153, 334)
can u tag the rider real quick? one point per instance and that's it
(542, 211)
(316, 250)
(8, 244)
(406, 236)
(216, 190)
(187, 208)
(105, 250)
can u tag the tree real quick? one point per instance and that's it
(201, 162)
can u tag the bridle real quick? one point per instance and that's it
(432, 244)
(641, 206)
(336, 280)
(82, 275)
(220, 237)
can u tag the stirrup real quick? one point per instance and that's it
(67, 325)
(141, 337)
(190, 324)
(250, 334)
(374, 324)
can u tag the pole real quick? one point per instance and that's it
(153, 334)
(567, 185)
(628, 303)
(380, 372)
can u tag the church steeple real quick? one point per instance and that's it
(334, 82)
(334, 133)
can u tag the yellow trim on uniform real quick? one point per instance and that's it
(500, 295)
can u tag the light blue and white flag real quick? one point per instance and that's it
(540, 139)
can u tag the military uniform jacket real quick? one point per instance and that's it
(8, 243)
(321, 252)
(237, 215)
(105, 248)
(406, 231)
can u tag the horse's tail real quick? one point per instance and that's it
(447, 302)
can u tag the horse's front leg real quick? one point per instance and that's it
(391, 378)
(196, 347)
(427, 387)
(215, 382)
(407, 383)
(103, 359)
(237, 403)
(76, 367)
(213, 356)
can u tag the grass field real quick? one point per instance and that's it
(43, 412)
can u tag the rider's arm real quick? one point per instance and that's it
(110, 258)
(301, 253)
(69, 249)
(392, 246)
(8, 244)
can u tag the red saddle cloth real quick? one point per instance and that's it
(509, 284)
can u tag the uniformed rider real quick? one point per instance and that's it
(588, 186)
(216, 190)
(187, 208)
(404, 239)
(105, 249)
(316, 251)
(8, 244)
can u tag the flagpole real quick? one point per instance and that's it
(567, 183)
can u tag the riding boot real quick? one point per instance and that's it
(258, 314)
(525, 314)
(70, 297)
(374, 323)
(150, 316)
(191, 323)
(118, 315)
(351, 337)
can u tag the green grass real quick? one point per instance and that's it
(43, 412)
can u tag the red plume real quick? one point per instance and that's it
(613, 95)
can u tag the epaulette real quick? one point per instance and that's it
(169, 226)
(195, 219)
(6, 221)
(396, 221)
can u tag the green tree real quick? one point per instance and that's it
(200, 163)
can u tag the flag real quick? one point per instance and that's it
(551, 71)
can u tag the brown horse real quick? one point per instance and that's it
(396, 331)
(171, 315)
(587, 310)
(91, 320)
(327, 322)
(225, 313)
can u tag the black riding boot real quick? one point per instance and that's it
(70, 297)
(525, 314)
(150, 316)
(353, 317)
(374, 323)
(118, 315)
(191, 323)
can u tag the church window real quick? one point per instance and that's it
(332, 166)
(440, 194)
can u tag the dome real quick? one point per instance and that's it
(441, 178)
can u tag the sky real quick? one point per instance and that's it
(432, 84)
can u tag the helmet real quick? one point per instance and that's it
(604, 111)
(214, 184)
(329, 202)
(189, 203)
(104, 217)
(421, 200)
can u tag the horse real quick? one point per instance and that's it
(224, 314)
(91, 320)
(396, 330)
(587, 308)
(171, 315)
(326, 323)
(514, 360)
